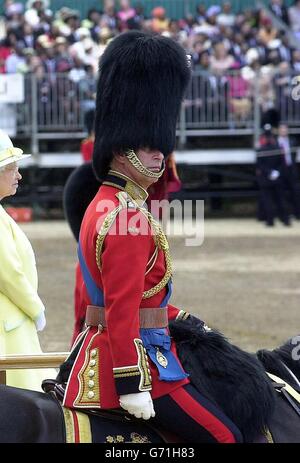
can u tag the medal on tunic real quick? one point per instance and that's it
(161, 359)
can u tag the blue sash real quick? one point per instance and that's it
(95, 293)
(156, 340)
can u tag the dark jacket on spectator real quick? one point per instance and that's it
(280, 12)
(269, 157)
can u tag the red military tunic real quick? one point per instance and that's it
(132, 270)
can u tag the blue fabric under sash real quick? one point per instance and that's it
(158, 346)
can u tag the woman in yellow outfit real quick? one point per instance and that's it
(21, 309)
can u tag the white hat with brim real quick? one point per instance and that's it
(30, 3)
(8, 153)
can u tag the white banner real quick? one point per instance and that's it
(11, 88)
(8, 119)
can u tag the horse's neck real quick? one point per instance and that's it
(291, 374)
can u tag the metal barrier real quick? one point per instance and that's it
(289, 107)
(214, 105)
(54, 102)
(45, 360)
(54, 108)
(218, 102)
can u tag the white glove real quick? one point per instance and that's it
(274, 175)
(140, 405)
(40, 321)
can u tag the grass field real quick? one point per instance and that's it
(244, 280)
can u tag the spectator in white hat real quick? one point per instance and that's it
(34, 8)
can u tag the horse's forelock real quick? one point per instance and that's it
(272, 364)
(289, 354)
(277, 360)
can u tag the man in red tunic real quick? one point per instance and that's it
(125, 356)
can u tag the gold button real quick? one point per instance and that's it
(91, 383)
(92, 363)
(91, 394)
(91, 373)
(93, 353)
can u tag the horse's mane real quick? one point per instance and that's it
(229, 377)
(287, 354)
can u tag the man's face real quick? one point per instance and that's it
(151, 159)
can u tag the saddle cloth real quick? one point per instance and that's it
(107, 427)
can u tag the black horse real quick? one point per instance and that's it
(27, 416)
(284, 362)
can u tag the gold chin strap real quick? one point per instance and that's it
(134, 160)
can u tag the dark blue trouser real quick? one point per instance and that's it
(194, 418)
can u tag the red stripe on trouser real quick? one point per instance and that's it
(202, 416)
(76, 427)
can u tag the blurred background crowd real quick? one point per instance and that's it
(245, 59)
(228, 47)
(33, 36)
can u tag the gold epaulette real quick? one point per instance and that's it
(107, 223)
(125, 203)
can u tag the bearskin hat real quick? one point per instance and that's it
(80, 189)
(142, 79)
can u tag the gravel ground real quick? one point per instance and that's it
(244, 280)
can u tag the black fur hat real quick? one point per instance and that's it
(79, 191)
(142, 79)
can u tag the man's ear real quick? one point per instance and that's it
(120, 157)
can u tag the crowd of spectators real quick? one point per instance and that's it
(228, 48)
